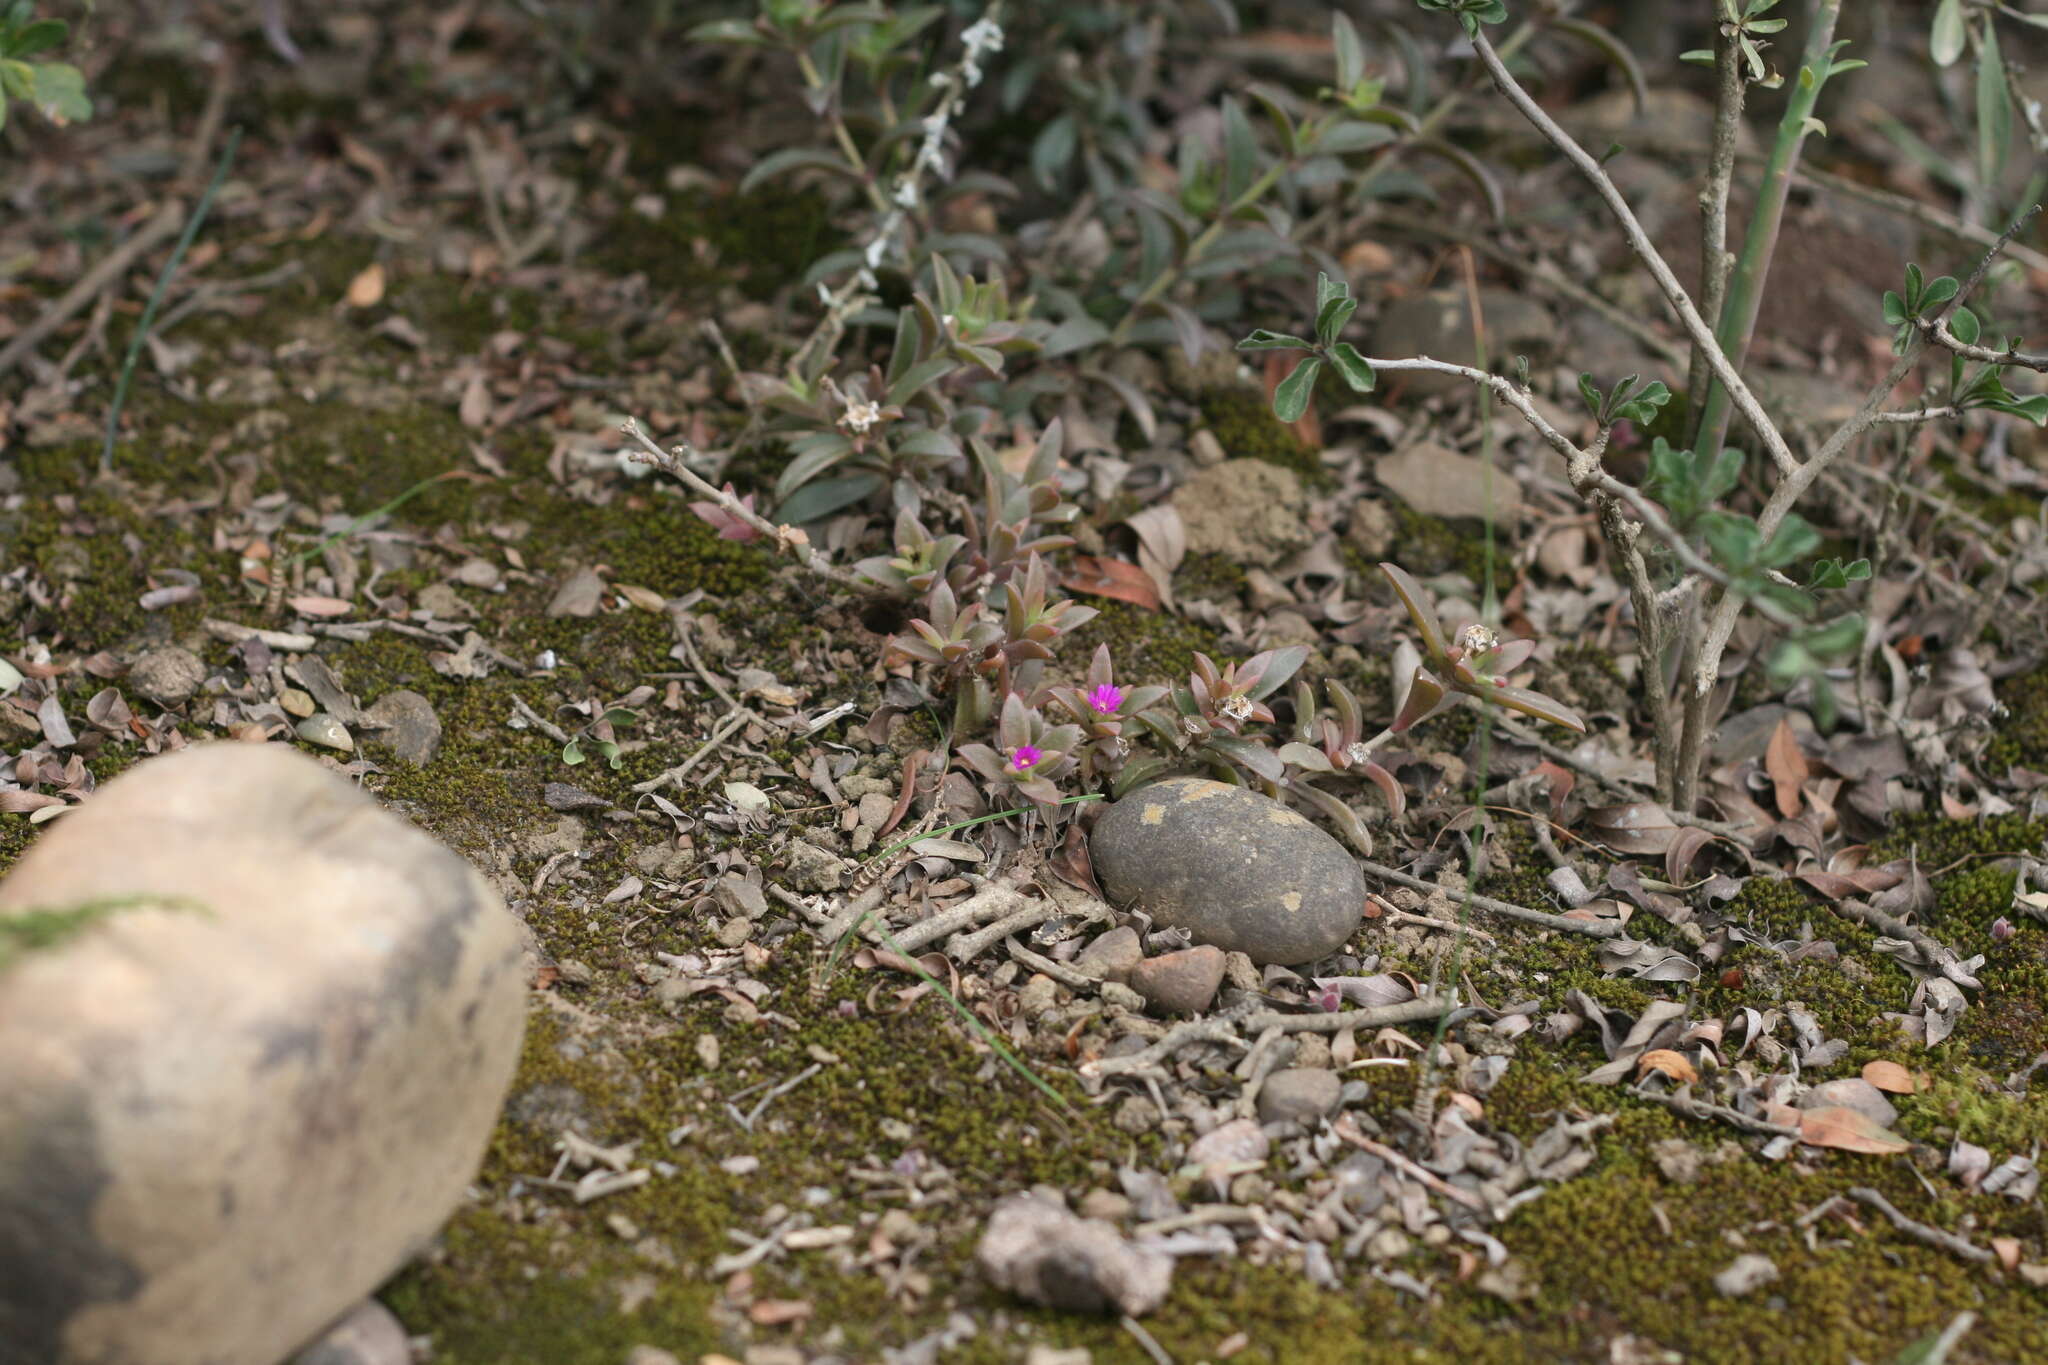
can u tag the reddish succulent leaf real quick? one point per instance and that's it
(1112, 578)
(1531, 704)
(1846, 1130)
(1434, 645)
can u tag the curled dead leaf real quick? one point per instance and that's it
(1113, 578)
(1670, 1063)
(1847, 1130)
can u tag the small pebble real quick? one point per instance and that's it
(369, 1335)
(167, 675)
(1746, 1274)
(1107, 1205)
(404, 725)
(1852, 1092)
(1040, 994)
(296, 703)
(1180, 983)
(1112, 955)
(327, 732)
(1136, 1115)
(735, 931)
(1298, 1095)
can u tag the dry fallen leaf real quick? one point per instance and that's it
(1846, 1130)
(1787, 767)
(2007, 1249)
(647, 599)
(774, 1312)
(1893, 1077)
(310, 604)
(1113, 578)
(366, 290)
(1672, 1064)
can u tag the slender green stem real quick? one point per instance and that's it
(366, 518)
(156, 297)
(841, 134)
(1737, 322)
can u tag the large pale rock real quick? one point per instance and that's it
(1038, 1251)
(241, 1096)
(1234, 868)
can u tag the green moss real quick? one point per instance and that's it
(97, 557)
(1248, 430)
(2021, 737)
(1427, 546)
(1146, 646)
(1210, 575)
(1587, 677)
(760, 241)
(353, 459)
(464, 314)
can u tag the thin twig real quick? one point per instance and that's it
(991, 902)
(1935, 1237)
(1543, 918)
(1927, 215)
(1229, 1031)
(1060, 972)
(967, 947)
(790, 539)
(1685, 1106)
(1346, 1130)
(78, 296)
(1144, 1340)
(1715, 262)
(1646, 251)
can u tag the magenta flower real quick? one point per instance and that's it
(1105, 698)
(1024, 758)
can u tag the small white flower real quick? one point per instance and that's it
(1478, 639)
(1356, 752)
(906, 194)
(875, 251)
(982, 37)
(860, 415)
(1237, 706)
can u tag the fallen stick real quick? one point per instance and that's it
(1229, 1031)
(78, 296)
(1591, 928)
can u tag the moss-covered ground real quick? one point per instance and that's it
(909, 1122)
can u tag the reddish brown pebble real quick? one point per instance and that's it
(1180, 983)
